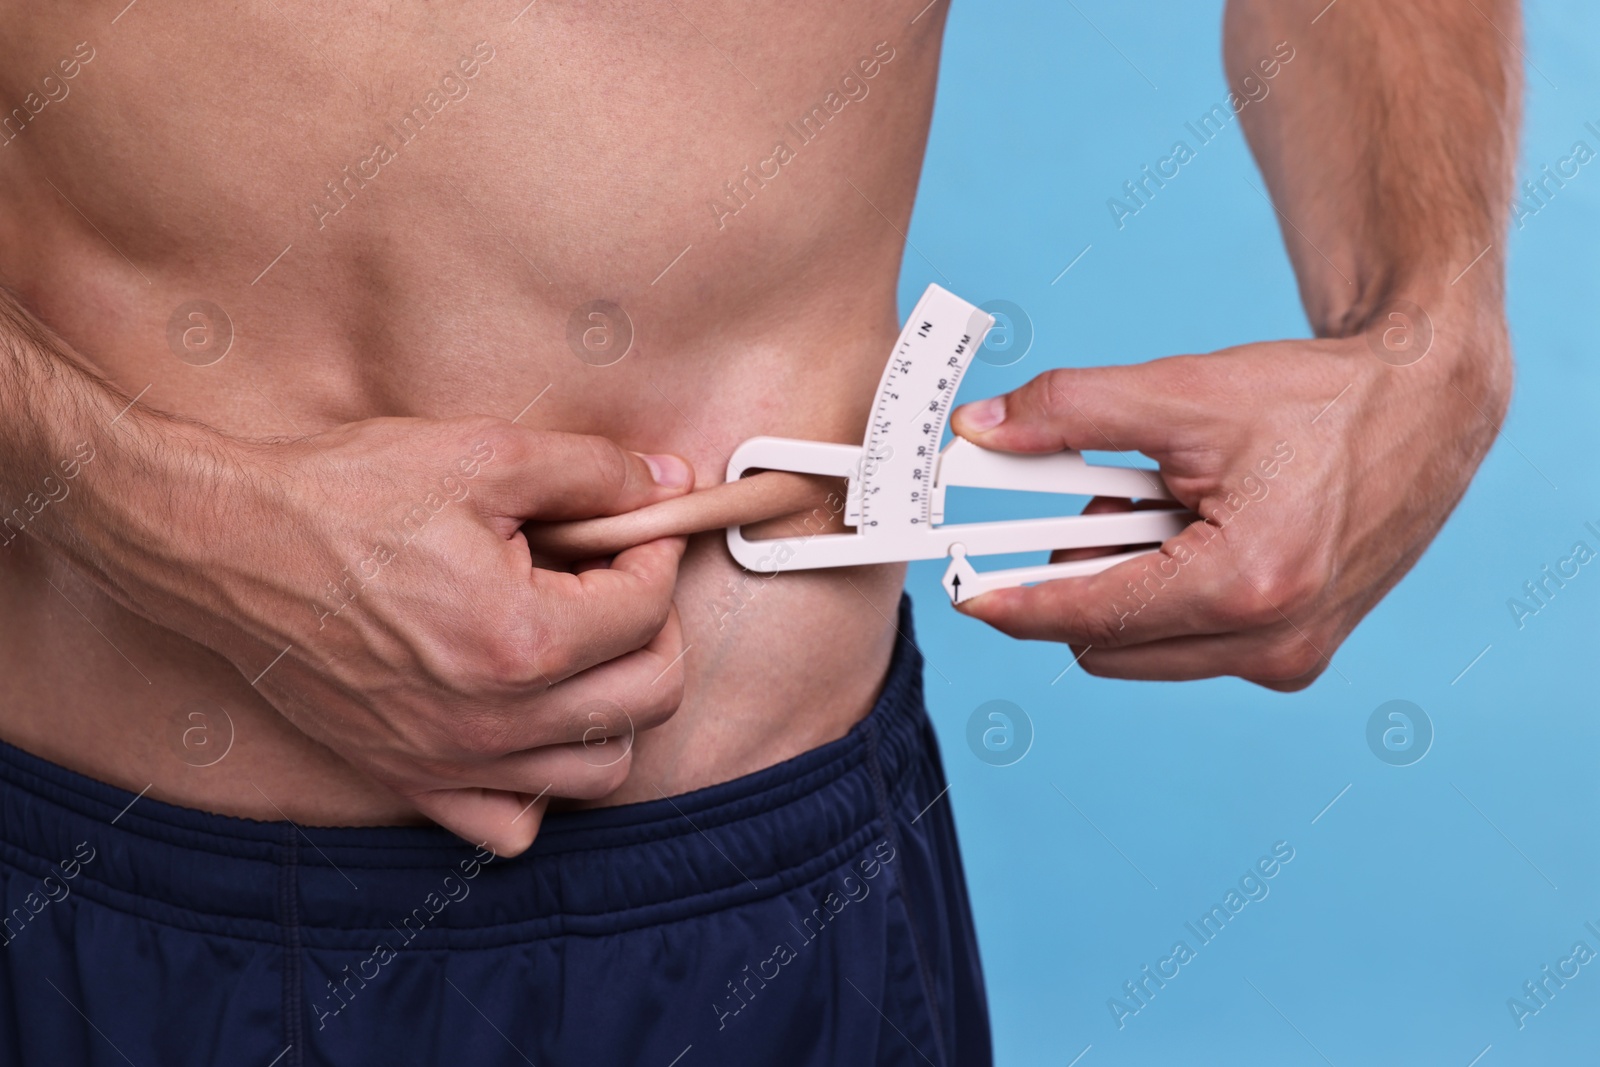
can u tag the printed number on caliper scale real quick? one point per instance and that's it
(898, 476)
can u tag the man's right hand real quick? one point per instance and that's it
(373, 583)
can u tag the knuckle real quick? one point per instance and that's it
(1288, 660)
(616, 773)
(1091, 664)
(510, 650)
(480, 735)
(429, 770)
(1098, 629)
(604, 722)
(545, 662)
(660, 611)
(650, 612)
(661, 700)
(1053, 392)
(1292, 586)
(504, 661)
(1265, 591)
(1187, 376)
(655, 713)
(592, 783)
(1243, 606)
(495, 655)
(514, 841)
(610, 465)
(493, 436)
(1294, 685)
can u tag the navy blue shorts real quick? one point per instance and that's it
(812, 913)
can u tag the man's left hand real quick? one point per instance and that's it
(1321, 469)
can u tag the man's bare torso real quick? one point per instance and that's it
(406, 211)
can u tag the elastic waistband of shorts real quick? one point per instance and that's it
(591, 872)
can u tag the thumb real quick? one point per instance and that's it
(1117, 409)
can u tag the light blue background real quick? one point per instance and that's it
(1427, 895)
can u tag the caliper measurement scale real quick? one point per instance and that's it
(898, 477)
(913, 403)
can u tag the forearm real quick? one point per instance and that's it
(99, 480)
(1388, 148)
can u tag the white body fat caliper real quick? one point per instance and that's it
(899, 475)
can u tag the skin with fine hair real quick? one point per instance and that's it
(322, 530)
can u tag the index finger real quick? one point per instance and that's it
(1190, 586)
(602, 613)
(740, 502)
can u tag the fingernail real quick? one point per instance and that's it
(984, 414)
(667, 470)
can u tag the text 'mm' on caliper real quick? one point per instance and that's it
(898, 477)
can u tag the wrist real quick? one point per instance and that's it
(153, 506)
(1467, 336)
(1443, 331)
